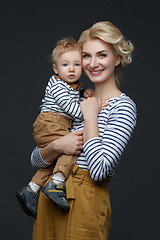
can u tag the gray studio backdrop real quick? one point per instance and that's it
(28, 33)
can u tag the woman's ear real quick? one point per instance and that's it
(118, 60)
(55, 68)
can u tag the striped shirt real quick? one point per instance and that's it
(61, 98)
(101, 154)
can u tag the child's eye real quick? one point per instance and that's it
(65, 64)
(77, 64)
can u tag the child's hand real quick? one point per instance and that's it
(104, 104)
(88, 92)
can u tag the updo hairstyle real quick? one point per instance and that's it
(109, 33)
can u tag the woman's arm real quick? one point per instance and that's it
(103, 152)
(90, 109)
(69, 144)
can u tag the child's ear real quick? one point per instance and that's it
(55, 68)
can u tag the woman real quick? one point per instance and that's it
(106, 133)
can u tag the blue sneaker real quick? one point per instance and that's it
(28, 200)
(56, 192)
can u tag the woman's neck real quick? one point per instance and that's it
(106, 90)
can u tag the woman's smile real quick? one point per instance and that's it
(96, 72)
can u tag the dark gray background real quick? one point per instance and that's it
(28, 33)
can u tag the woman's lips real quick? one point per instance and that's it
(96, 72)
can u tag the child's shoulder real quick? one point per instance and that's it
(55, 80)
(56, 83)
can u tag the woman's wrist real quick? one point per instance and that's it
(56, 146)
(70, 144)
(90, 118)
(51, 152)
(91, 129)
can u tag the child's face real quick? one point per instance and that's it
(68, 66)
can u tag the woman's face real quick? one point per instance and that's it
(99, 60)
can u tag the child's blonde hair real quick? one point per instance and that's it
(109, 33)
(64, 45)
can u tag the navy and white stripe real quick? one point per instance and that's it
(116, 124)
(101, 154)
(61, 98)
(36, 159)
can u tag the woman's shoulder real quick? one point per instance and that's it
(121, 101)
(121, 107)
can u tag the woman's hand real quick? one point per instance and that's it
(71, 144)
(91, 107)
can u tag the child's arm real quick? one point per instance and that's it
(67, 103)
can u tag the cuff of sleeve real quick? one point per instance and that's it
(37, 160)
(45, 164)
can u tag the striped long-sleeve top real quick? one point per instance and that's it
(62, 98)
(101, 154)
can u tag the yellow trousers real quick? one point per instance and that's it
(89, 217)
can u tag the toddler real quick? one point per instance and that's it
(59, 106)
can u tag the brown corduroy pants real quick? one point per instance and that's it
(89, 217)
(50, 126)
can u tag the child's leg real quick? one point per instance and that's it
(65, 164)
(48, 127)
(28, 195)
(61, 171)
(63, 167)
(41, 176)
(45, 130)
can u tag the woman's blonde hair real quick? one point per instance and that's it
(62, 46)
(109, 33)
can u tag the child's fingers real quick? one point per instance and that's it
(104, 104)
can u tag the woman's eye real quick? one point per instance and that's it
(85, 56)
(102, 55)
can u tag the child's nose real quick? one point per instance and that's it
(71, 68)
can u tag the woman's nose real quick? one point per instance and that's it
(93, 63)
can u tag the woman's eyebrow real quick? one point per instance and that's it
(85, 52)
(102, 51)
(97, 52)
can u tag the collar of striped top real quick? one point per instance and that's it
(114, 99)
(76, 85)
